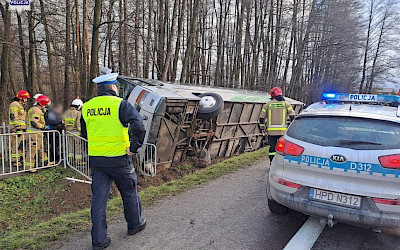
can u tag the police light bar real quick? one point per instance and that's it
(390, 99)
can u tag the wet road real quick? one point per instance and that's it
(228, 213)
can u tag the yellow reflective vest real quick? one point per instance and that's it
(105, 133)
(16, 116)
(72, 120)
(35, 119)
(276, 115)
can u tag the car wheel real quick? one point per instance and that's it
(277, 208)
(211, 104)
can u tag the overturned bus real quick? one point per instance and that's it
(207, 122)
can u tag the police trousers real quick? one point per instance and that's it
(126, 180)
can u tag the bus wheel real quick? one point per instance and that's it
(211, 104)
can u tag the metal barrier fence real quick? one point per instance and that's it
(75, 153)
(29, 151)
(76, 156)
(147, 157)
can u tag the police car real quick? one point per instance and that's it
(340, 160)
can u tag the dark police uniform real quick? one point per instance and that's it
(105, 122)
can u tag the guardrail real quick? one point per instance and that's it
(29, 151)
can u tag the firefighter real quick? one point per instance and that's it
(17, 122)
(72, 121)
(72, 117)
(115, 131)
(274, 118)
(35, 123)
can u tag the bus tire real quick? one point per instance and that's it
(211, 104)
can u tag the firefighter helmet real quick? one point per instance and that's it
(43, 100)
(275, 92)
(77, 102)
(23, 94)
(36, 96)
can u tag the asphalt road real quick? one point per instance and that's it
(228, 213)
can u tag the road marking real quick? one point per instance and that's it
(307, 235)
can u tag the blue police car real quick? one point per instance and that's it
(340, 160)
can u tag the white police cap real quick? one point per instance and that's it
(106, 79)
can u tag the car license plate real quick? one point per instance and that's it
(335, 198)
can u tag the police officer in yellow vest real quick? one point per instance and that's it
(115, 131)
(35, 156)
(274, 118)
(17, 122)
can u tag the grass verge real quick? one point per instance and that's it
(41, 235)
(26, 199)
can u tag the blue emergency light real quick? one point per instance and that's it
(361, 98)
(328, 96)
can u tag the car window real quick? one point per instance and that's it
(348, 132)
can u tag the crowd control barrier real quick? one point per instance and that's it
(31, 151)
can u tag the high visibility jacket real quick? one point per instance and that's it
(16, 116)
(276, 114)
(35, 119)
(72, 120)
(105, 133)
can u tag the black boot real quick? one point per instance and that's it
(133, 231)
(103, 245)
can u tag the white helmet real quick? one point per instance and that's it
(36, 96)
(78, 103)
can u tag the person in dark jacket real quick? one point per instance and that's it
(115, 131)
(54, 121)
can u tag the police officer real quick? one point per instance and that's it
(106, 120)
(274, 118)
(16, 120)
(35, 123)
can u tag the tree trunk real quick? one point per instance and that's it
(178, 40)
(43, 15)
(67, 51)
(366, 50)
(78, 57)
(171, 40)
(85, 51)
(120, 39)
(378, 48)
(94, 63)
(22, 49)
(110, 61)
(31, 63)
(137, 69)
(189, 48)
(5, 56)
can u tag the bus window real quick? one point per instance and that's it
(125, 88)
